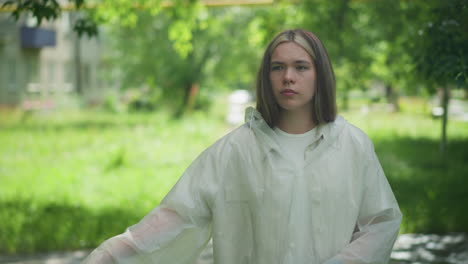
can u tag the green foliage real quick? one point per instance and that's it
(167, 55)
(187, 18)
(47, 9)
(140, 100)
(113, 104)
(117, 160)
(85, 26)
(142, 104)
(441, 53)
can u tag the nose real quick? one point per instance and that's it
(289, 77)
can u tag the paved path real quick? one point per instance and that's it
(441, 249)
(409, 249)
(74, 257)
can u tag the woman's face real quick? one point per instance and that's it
(293, 77)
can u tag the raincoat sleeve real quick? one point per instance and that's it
(378, 222)
(177, 230)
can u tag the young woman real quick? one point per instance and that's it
(294, 184)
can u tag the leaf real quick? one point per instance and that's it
(7, 3)
(180, 33)
(78, 3)
(85, 26)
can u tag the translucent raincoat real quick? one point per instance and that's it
(260, 208)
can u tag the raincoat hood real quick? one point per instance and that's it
(265, 134)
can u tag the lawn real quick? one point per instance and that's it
(72, 179)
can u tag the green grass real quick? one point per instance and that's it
(72, 179)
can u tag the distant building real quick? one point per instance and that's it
(38, 66)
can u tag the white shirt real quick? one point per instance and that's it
(294, 145)
(259, 209)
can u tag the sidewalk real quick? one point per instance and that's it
(72, 257)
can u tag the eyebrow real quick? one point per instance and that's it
(296, 62)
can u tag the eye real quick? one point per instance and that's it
(277, 67)
(302, 68)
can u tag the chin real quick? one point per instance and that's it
(293, 107)
(289, 107)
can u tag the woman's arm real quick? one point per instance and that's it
(152, 240)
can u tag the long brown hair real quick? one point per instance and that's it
(323, 102)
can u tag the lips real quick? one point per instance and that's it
(288, 92)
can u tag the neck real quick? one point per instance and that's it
(297, 122)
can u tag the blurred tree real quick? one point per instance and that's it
(412, 43)
(388, 32)
(174, 57)
(440, 50)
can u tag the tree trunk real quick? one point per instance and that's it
(345, 99)
(392, 97)
(191, 88)
(192, 97)
(445, 103)
(188, 100)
